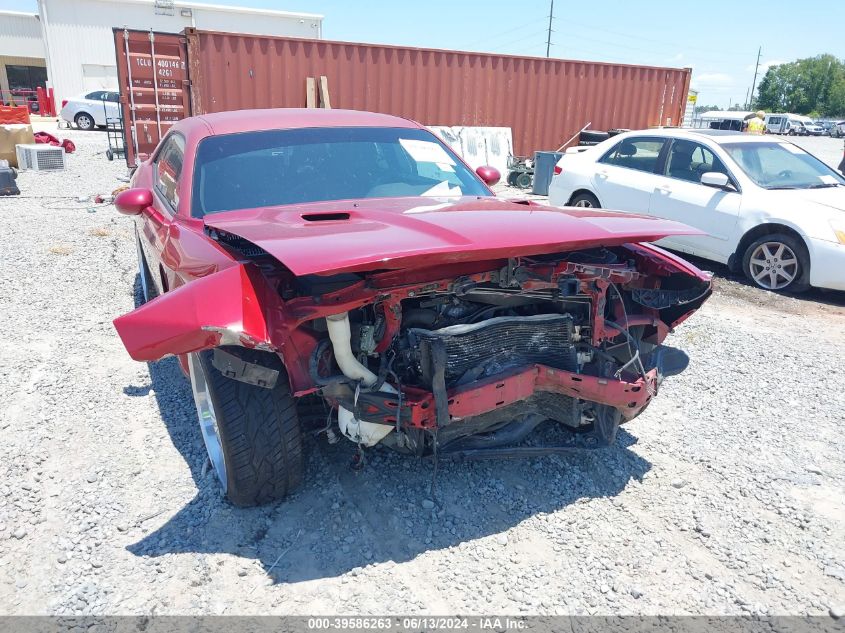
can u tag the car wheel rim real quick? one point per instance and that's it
(83, 122)
(207, 418)
(773, 266)
(584, 203)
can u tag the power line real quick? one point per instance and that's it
(503, 33)
(647, 39)
(517, 40)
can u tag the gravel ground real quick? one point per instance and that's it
(822, 147)
(724, 497)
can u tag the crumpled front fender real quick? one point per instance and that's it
(229, 307)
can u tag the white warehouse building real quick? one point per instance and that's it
(72, 39)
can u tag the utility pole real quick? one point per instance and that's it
(549, 38)
(756, 68)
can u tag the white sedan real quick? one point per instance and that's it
(91, 109)
(767, 207)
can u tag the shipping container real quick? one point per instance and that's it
(152, 73)
(544, 101)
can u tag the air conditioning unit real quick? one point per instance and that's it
(40, 157)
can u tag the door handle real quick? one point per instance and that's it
(601, 174)
(664, 189)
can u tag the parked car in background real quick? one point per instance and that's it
(794, 127)
(351, 261)
(813, 129)
(826, 126)
(767, 207)
(91, 109)
(838, 129)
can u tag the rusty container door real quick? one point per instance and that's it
(152, 73)
(543, 101)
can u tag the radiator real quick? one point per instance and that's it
(490, 347)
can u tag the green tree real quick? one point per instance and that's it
(709, 108)
(814, 84)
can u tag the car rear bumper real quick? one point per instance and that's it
(560, 191)
(827, 264)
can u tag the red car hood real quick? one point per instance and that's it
(334, 237)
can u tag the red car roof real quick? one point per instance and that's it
(290, 118)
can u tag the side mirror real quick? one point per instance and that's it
(133, 201)
(714, 179)
(489, 175)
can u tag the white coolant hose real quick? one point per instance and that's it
(340, 335)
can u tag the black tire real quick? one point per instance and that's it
(259, 435)
(593, 136)
(511, 179)
(147, 289)
(84, 121)
(109, 154)
(800, 272)
(585, 200)
(524, 180)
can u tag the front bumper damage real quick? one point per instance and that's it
(419, 408)
(240, 307)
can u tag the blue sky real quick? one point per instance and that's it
(717, 38)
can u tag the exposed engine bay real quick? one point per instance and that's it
(480, 360)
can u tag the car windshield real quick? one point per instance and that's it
(281, 167)
(776, 165)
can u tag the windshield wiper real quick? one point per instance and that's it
(824, 185)
(773, 188)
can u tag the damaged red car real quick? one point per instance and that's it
(349, 264)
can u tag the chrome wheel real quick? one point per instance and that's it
(583, 203)
(207, 418)
(773, 265)
(84, 122)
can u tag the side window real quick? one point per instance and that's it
(689, 160)
(168, 169)
(112, 96)
(640, 153)
(97, 95)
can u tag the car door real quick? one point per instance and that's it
(93, 105)
(625, 176)
(112, 105)
(681, 196)
(155, 225)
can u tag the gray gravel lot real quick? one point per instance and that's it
(822, 147)
(724, 497)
